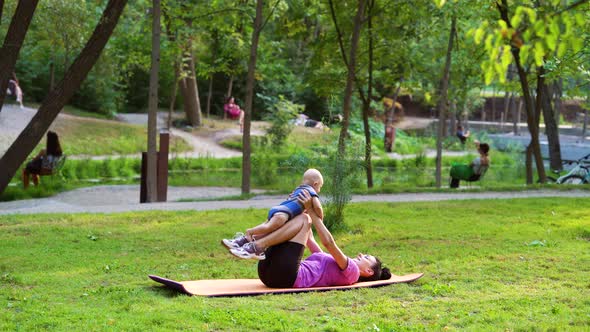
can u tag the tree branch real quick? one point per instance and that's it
(338, 32)
(269, 15)
(570, 7)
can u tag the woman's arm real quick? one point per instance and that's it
(325, 236)
(317, 207)
(312, 245)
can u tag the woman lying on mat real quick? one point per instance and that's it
(284, 248)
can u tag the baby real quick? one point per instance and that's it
(277, 217)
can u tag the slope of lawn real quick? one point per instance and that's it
(489, 265)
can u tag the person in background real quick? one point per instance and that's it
(46, 159)
(233, 111)
(462, 135)
(475, 170)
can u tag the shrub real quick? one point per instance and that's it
(341, 175)
(281, 119)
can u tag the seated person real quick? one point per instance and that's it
(15, 91)
(45, 160)
(233, 111)
(462, 135)
(474, 170)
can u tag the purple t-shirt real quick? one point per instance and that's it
(320, 269)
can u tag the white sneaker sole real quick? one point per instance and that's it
(246, 255)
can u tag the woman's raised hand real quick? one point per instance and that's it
(305, 199)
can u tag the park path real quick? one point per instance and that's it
(112, 199)
(13, 120)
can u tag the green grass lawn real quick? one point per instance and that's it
(489, 265)
(95, 137)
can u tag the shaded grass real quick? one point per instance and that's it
(482, 270)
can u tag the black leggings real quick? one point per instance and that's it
(280, 268)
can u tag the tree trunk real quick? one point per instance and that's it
(585, 125)
(229, 92)
(465, 117)
(247, 150)
(209, 93)
(174, 93)
(389, 118)
(551, 128)
(528, 102)
(529, 164)
(56, 99)
(519, 114)
(442, 103)
(557, 94)
(347, 104)
(195, 85)
(483, 109)
(453, 119)
(514, 113)
(367, 101)
(13, 42)
(230, 86)
(493, 117)
(190, 93)
(52, 75)
(152, 151)
(215, 49)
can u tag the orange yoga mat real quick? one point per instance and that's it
(249, 287)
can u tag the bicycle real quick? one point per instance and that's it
(579, 174)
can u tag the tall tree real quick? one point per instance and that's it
(367, 100)
(527, 35)
(347, 103)
(189, 87)
(551, 126)
(534, 147)
(57, 98)
(152, 153)
(246, 144)
(442, 102)
(13, 42)
(180, 30)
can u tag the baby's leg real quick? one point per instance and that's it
(274, 223)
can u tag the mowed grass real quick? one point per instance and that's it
(521, 264)
(96, 137)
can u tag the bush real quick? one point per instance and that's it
(264, 168)
(341, 175)
(281, 121)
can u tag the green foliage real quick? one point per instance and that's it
(538, 32)
(281, 121)
(377, 129)
(341, 174)
(264, 162)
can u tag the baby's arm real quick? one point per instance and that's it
(317, 207)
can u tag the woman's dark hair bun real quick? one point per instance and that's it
(385, 274)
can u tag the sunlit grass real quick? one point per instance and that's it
(489, 265)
